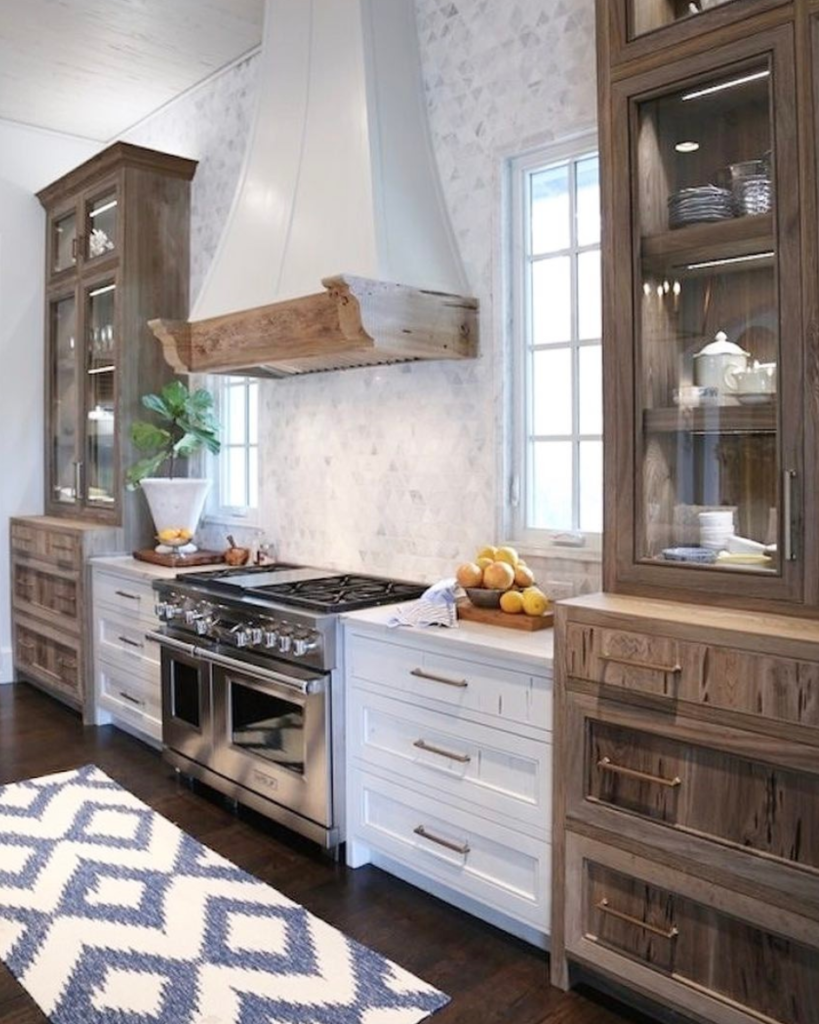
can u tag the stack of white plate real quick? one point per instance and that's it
(695, 205)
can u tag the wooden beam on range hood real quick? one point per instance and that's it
(355, 322)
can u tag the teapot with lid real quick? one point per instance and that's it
(717, 364)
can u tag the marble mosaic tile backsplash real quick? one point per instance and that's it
(396, 469)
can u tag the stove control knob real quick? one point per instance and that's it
(270, 638)
(203, 624)
(255, 636)
(192, 616)
(304, 644)
(285, 642)
(242, 637)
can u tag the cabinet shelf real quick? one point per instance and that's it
(681, 249)
(717, 419)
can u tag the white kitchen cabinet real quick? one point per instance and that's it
(449, 764)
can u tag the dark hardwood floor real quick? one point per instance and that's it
(491, 977)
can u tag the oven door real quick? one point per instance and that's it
(186, 700)
(271, 733)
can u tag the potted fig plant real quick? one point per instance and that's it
(186, 423)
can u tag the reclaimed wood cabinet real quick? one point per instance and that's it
(117, 248)
(49, 602)
(708, 164)
(686, 836)
(117, 254)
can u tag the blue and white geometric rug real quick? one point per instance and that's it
(110, 914)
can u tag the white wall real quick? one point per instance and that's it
(29, 159)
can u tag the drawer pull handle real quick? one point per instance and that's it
(124, 593)
(129, 643)
(605, 764)
(650, 665)
(430, 749)
(130, 699)
(462, 848)
(663, 933)
(419, 673)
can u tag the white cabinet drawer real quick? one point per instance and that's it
(125, 642)
(496, 771)
(500, 868)
(134, 598)
(471, 686)
(136, 698)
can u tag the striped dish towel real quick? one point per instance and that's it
(435, 607)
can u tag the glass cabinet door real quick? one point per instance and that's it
(712, 481)
(101, 225)
(100, 394)
(64, 401)
(648, 15)
(64, 241)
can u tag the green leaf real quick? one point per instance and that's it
(146, 436)
(175, 396)
(157, 405)
(143, 468)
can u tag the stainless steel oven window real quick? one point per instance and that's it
(267, 725)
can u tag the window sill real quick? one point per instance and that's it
(557, 551)
(249, 520)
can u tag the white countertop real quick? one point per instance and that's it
(126, 565)
(536, 647)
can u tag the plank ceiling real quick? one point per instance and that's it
(95, 67)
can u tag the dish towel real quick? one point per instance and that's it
(435, 607)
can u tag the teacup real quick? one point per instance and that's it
(759, 379)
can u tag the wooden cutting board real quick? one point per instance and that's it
(179, 561)
(495, 617)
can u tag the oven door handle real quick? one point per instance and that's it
(302, 686)
(173, 644)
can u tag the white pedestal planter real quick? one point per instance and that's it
(176, 504)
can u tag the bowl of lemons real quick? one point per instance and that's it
(499, 578)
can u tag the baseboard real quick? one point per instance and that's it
(6, 666)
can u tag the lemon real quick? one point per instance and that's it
(512, 602)
(482, 563)
(508, 555)
(487, 552)
(535, 602)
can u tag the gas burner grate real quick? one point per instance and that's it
(343, 593)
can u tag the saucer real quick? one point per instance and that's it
(755, 397)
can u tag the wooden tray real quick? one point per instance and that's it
(180, 561)
(496, 617)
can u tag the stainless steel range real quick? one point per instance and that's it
(252, 700)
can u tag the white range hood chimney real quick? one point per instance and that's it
(339, 188)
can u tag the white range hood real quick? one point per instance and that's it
(339, 189)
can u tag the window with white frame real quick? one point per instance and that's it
(238, 463)
(557, 420)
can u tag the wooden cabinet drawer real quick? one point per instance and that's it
(650, 766)
(61, 548)
(132, 696)
(50, 593)
(496, 771)
(49, 657)
(468, 686)
(725, 956)
(500, 868)
(131, 598)
(753, 683)
(124, 642)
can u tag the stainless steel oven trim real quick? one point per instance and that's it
(287, 683)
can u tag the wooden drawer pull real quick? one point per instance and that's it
(650, 665)
(419, 673)
(663, 933)
(124, 593)
(460, 758)
(462, 848)
(605, 764)
(129, 643)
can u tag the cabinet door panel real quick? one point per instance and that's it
(100, 476)
(65, 401)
